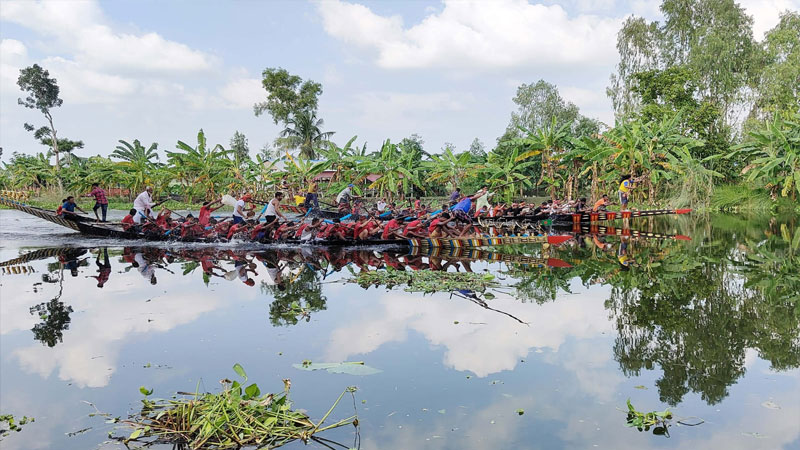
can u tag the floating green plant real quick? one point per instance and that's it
(427, 281)
(238, 416)
(658, 420)
(9, 423)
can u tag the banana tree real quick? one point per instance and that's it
(396, 177)
(509, 170)
(451, 168)
(202, 166)
(773, 151)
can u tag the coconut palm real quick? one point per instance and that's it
(304, 131)
(138, 162)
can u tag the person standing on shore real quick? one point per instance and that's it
(100, 200)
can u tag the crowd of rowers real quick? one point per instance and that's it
(244, 224)
(384, 221)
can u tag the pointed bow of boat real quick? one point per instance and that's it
(556, 240)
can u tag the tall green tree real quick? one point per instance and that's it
(304, 132)
(538, 105)
(712, 38)
(201, 166)
(42, 95)
(239, 147)
(778, 89)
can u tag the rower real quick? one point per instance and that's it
(625, 186)
(455, 196)
(129, 220)
(144, 203)
(69, 206)
(580, 205)
(381, 205)
(239, 211)
(205, 211)
(343, 199)
(601, 204)
(272, 210)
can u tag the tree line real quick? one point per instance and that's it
(698, 102)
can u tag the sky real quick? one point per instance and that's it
(159, 71)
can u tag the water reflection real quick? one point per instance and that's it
(696, 315)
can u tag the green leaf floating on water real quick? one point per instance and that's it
(350, 368)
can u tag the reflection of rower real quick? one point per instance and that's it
(624, 258)
(103, 269)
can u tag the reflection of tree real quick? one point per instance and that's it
(695, 316)
(55, 319)
(296, 299)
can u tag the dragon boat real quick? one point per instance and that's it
(88, 227)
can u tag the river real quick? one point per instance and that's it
(544, 355)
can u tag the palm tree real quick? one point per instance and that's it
(138, 162)
(304, 131)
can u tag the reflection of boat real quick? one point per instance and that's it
(624, 231)
(472, 254)
(116, 231)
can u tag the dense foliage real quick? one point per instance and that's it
(699, 102)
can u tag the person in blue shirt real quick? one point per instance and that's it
(69, 206)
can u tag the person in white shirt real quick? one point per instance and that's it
(381, 205)
(272, 210)
(239, 211)
(144, 204)
(344, 196)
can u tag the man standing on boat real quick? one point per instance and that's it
(272, 210)
(100, 200)
(625, 186)
(144, 203)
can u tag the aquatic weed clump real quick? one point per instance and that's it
(236, 417)
(427, 281)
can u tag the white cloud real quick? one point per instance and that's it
(80, 28)
(477, 35)
(242, 92)
(766, 13)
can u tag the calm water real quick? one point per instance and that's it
(709, 328)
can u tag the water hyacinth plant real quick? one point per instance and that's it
(238, 416)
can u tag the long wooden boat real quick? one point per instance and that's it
(578, 218)
(111, 230)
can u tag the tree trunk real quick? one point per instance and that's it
(594, 181)
(54, 144)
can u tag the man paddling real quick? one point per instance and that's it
(69, 206)
(602, 204)
(239, 210)
(144, 203)
(272, 210)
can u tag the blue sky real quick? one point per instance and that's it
(160, 70)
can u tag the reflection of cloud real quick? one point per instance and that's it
(89, 355)
(494, 345)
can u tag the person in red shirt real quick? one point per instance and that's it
(163, 218)
(206, 210)
(414, 229)
(127, 221)
(235, 228)
(390, 230)
(100, 200)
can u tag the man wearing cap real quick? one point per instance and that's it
(239, 211)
